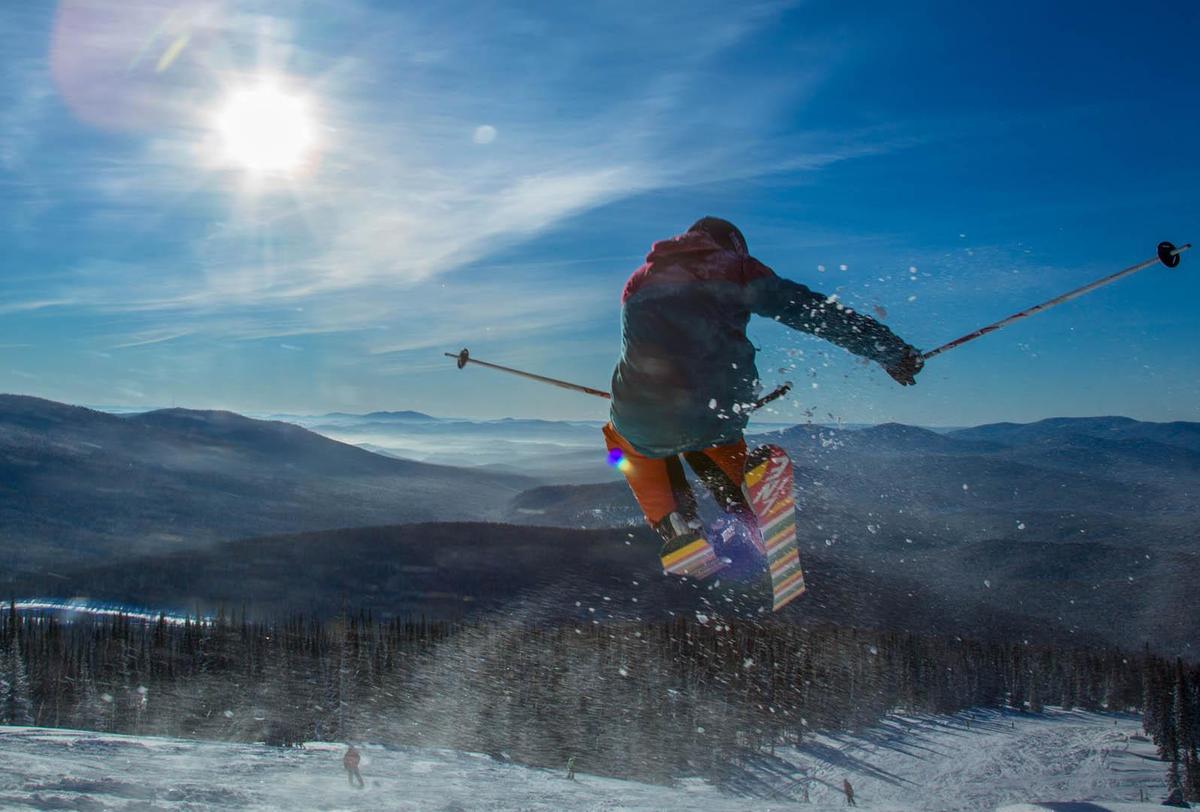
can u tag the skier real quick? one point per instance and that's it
(350, 761)
(849, 790)
(686, 376)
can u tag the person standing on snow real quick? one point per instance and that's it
(849, 790)
(686, 377)
(351, 761)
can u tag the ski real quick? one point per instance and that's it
(769, 486)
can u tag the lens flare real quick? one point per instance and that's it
(616, 459)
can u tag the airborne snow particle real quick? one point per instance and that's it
(987, 583)
(843, 268)
(748, 662)
(622, 671)
(484, 134)
(1020, 525)
(912, 298)
(966, 487)
(821, 268)
(712, 404)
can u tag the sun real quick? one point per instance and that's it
(264, 128)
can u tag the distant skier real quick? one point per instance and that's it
(351, 761)
(686, 375)
(849, 790)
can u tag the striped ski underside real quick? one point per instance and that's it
(697, 560)
(778, 525)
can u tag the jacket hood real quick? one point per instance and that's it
(691, 242)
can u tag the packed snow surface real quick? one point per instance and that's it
(978, 760)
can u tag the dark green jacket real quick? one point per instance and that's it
(687, 373)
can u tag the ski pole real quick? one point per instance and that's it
(1167, 254)
(463, 357)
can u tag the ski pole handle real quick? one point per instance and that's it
(774, 394)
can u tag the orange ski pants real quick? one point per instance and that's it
(659, 483)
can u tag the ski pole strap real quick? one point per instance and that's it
(1167, 254)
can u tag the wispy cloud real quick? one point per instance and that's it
(154, 337)
(404, 193)
(31, 305)
(371, 245)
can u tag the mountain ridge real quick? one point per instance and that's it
(76, 483)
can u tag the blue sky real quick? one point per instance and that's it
(488, 177)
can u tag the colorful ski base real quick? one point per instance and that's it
(693, 556)
(769, 484)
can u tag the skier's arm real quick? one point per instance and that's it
(803, 309)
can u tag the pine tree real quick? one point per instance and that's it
(16, 702)
(1185, 725)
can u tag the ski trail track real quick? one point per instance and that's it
(978, 760)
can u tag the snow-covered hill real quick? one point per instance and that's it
(971, 761)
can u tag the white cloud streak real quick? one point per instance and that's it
(403, 197)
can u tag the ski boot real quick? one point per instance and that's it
(737, 542)
(685, 550)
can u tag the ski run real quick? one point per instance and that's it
(975, 760)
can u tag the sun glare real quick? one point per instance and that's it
(266, 129)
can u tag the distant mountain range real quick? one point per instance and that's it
(552, 451)
(1092, 523)
(78, 485)
(1088, 525)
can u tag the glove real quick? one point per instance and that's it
(905, 370)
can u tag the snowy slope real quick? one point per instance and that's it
(971, 761)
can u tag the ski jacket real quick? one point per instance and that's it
(351, 760)
(686, 374)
